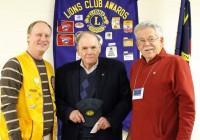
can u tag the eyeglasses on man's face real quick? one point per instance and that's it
(142, 41)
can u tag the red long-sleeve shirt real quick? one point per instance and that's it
(167, 110)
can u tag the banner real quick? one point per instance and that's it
(112, 20)
(183, 40)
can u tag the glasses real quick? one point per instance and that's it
(150, 40)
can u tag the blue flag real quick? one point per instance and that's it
(183, 40)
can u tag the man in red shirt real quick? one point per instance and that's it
(162, 90)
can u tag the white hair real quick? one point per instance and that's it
(148, 24)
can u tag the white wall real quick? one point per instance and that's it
(16, 15)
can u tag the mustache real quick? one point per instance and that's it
(148, 48)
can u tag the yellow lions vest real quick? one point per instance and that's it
(30, 100)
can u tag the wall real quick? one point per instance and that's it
(16, 15)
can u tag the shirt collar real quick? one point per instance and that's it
(91, 69)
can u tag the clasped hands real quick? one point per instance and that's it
(76, 117)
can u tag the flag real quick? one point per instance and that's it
(183, 39)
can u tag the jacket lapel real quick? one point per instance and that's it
(101, 77)
(76, 82)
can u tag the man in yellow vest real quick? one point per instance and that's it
(27, 94)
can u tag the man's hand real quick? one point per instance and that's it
(103, 123)
(76, 117)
